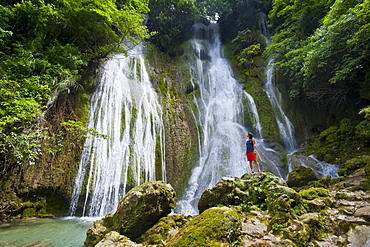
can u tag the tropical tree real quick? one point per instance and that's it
(326, 59)
(171, 21)
(44, 46)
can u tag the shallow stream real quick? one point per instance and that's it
(51, 232)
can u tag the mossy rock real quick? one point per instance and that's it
(350, 166)
(313, 193)
(300, 176)
(142, 207)
(282, 199)
(250, 189)
(367, 171)
(96, 233)
(214, 227)
(138, 211)
(162, 231)
(280, 221)
(29, 212)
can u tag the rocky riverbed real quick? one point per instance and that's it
(257, 209)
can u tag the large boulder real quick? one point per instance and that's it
(214, 227)
(139, 210)
(249, 189)
(300, 176)
(142, 207)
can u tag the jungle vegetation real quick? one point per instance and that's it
(320, 47)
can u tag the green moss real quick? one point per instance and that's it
(265, 111)
(280, 221)
(162, 230)
(338, 144)
(29, 212)
(123, 122)
(158, 159)
(350, 166)
(213, 227)
(313, 193)
(300, 176)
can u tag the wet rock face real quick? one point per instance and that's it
(139, 210)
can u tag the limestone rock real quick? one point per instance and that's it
(95, 233)
(364, 211)
(254, 228)
(300, 176)
(113, 238)
(250, 188)
(255, 210)
(165, 229)
(214, 227)
(138, 211)
(360, 236)
(142, 207)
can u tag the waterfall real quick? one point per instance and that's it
(125, 108)
(221, 113)
(286, 128)
(284, 124)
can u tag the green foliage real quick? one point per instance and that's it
(25, 147)
(337, 144)
(323, 47)
(350, 166)
(365, 113)
(248, 52)
(44, 45)
(363, 128)
(237, 15)
(171, 21)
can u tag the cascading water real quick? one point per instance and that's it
(220, 105)
(320, 168)
(285, 126)
(125, 108)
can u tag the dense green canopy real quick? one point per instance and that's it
(44, 45)
(323, 48)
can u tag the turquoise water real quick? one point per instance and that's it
(61, 232)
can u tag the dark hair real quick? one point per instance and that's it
(250, 135)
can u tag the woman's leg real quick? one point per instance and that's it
(258, 166)
(251, 166)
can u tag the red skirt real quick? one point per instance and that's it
(251, 156)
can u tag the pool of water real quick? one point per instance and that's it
(51, 232)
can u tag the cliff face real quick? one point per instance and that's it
(44, 188)
(171, 79)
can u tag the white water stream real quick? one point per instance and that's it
(125, 108)
(220, 109)
(285, 126)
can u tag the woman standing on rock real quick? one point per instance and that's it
(251, 152)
